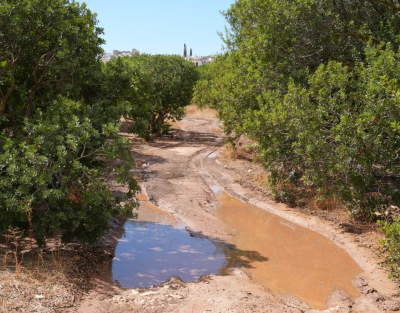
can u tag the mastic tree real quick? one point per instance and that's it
(58, 135)
(46, 48)
(155, 88)
(290, 37)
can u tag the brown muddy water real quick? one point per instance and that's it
(274, 252)
(142, 197)
(300, 262)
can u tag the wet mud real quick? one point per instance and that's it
(142, 198)
(300, 262)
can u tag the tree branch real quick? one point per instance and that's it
(391, 4)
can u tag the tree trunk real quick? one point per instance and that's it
(7, 96)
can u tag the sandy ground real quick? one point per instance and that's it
(178, 181)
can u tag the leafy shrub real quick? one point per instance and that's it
(155, 88)
(324, 116)
(391, 245)
(46, 48)
(54, 168)
(58, 123)
(340, 135)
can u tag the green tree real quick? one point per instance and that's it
(46, 48)
(184, 51)
(58, 136)
(191, 53)
(156, 89)
(289, 39)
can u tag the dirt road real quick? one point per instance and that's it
(181, 170)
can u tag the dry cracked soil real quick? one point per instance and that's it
(289, 261)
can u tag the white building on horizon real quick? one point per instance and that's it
(116, 53)
(200, 60)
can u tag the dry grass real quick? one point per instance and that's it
(34, 283)
(193, 111)
(242, 151)
(242, 160)
(45, 280)
(30, 293)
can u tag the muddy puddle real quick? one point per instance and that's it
(299, 262)
(156, 246)
(142, 197)
(213, 155)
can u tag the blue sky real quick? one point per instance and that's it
(161, 26)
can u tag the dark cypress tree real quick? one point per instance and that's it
(184, 51)
(191, 52)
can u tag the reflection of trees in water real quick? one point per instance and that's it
(234, 257)
(239, 258)
(140, 223)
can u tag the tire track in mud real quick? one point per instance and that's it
(175, 186)
(209, 179)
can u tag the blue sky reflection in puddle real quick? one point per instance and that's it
(149, 253)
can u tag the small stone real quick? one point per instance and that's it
(177, 296)
(149, 293)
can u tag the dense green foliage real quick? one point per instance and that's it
(314, 84)
(58, 125)
(44, 43)
(154, 88)
(391, 245)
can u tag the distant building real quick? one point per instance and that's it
(200, 60)
(107, 57)
(116, 53)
